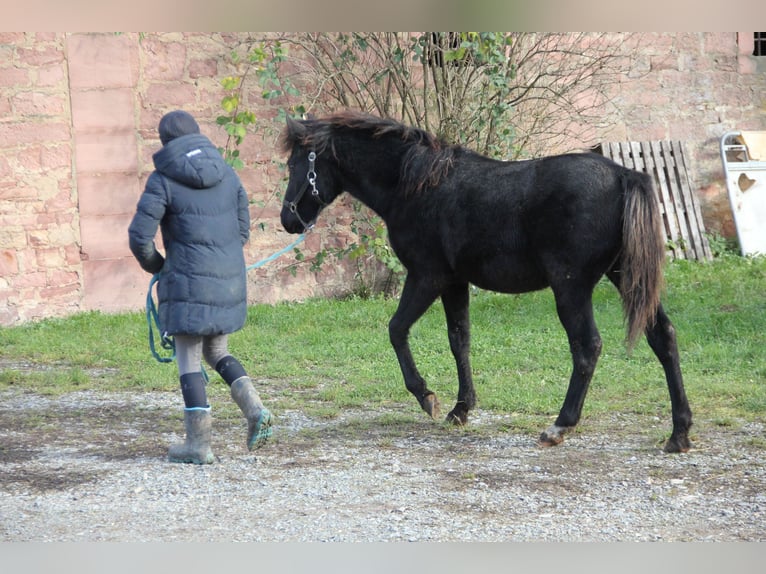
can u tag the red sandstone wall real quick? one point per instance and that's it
(40, 267)
(695, 87)
(78, 116)
(692, 87)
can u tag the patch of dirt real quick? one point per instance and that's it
(91, 466)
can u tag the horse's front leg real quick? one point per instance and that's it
(416, 298)
(456, 303)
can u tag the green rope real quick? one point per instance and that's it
(153, 320)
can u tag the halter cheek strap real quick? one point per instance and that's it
(311, 180)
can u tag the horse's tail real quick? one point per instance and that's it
(643, 254)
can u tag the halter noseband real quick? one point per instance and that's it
(311, 180)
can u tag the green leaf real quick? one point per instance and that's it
(230, 103)
(230, 83)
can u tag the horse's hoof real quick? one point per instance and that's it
(431, 405)
(552, 436)
(457, 419)
(546, 441)
(676, 445)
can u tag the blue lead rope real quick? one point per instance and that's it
(153, 319)
(279, 253)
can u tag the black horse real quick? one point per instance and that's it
(455, 217)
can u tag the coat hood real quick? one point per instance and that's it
(191, 160)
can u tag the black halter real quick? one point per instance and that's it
(311, 180)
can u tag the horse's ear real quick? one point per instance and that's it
(309, 116)
(295, 129)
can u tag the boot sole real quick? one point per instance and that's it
(192, 459)
(262, 432)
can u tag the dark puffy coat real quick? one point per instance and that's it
(199, 204)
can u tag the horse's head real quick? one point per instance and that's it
(312, 183)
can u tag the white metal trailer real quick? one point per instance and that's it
(744, 163)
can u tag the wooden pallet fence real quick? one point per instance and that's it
(666, 162)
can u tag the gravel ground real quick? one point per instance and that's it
(91, 466)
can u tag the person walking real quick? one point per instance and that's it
(201, 208)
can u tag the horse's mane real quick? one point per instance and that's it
(427, 158)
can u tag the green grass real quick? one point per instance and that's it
(328, 355)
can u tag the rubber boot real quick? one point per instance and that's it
(258, 417)
(196, 447)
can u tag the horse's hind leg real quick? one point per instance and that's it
(662, 339)
(456, 303)
(416, 298)
(575, 311)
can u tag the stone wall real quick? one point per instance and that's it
(78, 117)
(40, 261)
(695, 87)
(77, 132)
